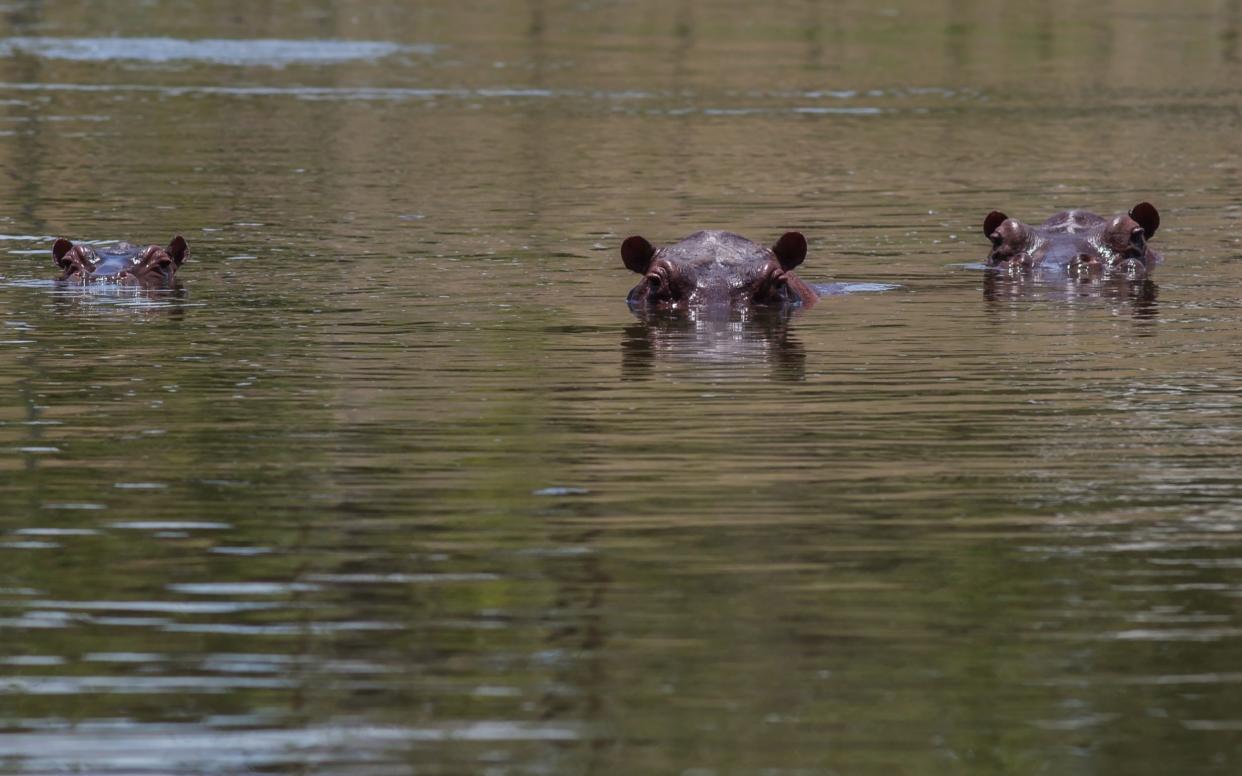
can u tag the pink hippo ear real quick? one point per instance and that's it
(636, 252)
(178, 250)
(790, 250)
(993, 222)
(1146, 215)
(59, 249)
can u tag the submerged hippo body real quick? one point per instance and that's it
(717, 269)
(1077, 242)
(149, 266)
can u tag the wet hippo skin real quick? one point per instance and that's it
(717, 269)
(149, 266)
(1077, 242)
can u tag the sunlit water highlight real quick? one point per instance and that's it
(244, 52)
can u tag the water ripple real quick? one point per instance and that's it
(171, 607)
(214, 51)
(130, 746)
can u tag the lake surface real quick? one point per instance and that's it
(396, 483)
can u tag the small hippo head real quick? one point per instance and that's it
(717, 268)
(1079, 242)
(149, 266)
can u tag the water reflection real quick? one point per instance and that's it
(1139, 298)
(118, 299)
(716, 341)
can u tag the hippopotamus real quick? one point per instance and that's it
(1077, 242)
(149, 266)
(717, 269)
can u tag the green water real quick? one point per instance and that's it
(396, 483)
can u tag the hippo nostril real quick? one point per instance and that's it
(1080, 266)
(1132, 269)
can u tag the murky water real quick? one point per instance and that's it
(396, 483)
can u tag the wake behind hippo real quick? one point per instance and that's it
(1077, 242)
(149, 266)
(717, 269)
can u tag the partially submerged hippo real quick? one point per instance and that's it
(1076, 241)
(717, 269)
(149, 266)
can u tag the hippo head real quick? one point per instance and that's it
(1080, 242)
(717, 269)
(149, 266)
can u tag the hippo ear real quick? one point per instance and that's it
(60, 248)
(1147, 217)
(992, 222)
(636, 252)
(178, 250)
(790, 250)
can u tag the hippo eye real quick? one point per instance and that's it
(658, 283)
